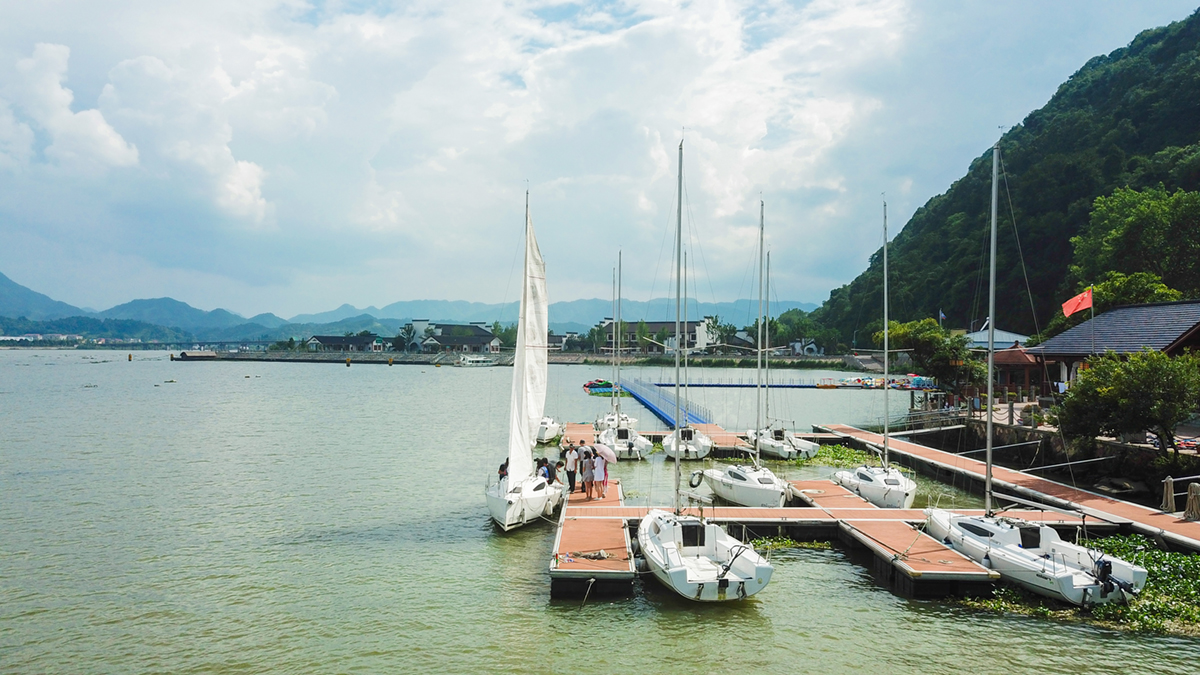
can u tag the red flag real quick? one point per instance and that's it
(1077, 303)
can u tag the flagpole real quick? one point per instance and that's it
(1092, 304)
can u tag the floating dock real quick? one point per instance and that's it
(593, 555)
(1168, 529)
(910, 562)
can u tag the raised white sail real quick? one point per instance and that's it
(522, 496)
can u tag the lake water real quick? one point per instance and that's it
(258, 517)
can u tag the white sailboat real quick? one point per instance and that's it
(618, 432)
(521, 497)
(548, 430)
(1029, 554)
(753, 485)
(696, 559)
(884, 486)
(690, 443)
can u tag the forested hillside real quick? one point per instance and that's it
(1128, 119)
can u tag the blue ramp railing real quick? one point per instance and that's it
(661, 402)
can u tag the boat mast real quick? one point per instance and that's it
(767, 356)
(886, 420)
(678, 295)
(616, 359)
(616, 333)
(991, 360)
(758, 393)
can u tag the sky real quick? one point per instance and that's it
(291, 156)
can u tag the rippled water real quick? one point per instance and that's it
(253, 517)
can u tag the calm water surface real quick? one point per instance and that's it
(252, 517)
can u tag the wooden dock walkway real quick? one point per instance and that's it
(910, 562)
(593, 555)
(1166, 528)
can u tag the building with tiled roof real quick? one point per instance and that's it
(1169, 327)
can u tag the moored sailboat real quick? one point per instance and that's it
(1029, 554)
(690, 442)
(616, 428)
(696, 559)
(520, 496)
(884, 486)
(753, 485)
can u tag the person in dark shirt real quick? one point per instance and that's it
(503, 470)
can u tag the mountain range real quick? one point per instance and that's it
(219, 324)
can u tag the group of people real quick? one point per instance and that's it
(589, 465)
(592, 469)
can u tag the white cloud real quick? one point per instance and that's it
(16, 139)
(328, 154)
(81, 138)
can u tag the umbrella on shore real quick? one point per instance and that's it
(605, 452)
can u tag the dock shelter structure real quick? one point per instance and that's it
(1169, 327)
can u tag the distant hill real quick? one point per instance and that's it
(576, 312)
(187, 322)
(17, 301)
(267, 320)
(1127, 119)
(343, 312)
(90, 327)
(173, 313)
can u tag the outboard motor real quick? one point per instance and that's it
(1102, 570)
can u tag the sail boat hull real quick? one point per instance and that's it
(697, 448)
(747, 486)
(632, 446)
(699, 560)
(886, 488)
(548, 430)
(1034, 557)
(520, 504)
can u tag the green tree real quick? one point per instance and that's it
(507, 334)
(1147, 230)
(935, 352)
(662, 336)
(1117, 289)
(1148, 391)
(404, 337)
(642, 333)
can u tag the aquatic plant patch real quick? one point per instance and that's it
(840, 456)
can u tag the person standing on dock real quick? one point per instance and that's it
(599, 473)
(586, 463)
(571, 458)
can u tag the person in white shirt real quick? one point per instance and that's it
(571, 460)
(599, 471)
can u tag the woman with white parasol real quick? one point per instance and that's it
(605, 456)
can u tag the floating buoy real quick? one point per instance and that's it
(347, 361)
(131, 357)
(389, 360)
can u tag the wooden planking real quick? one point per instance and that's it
(826, 494)
(722, 438)
(580, 531)
(914, 553)
(579, 434)
(1142, 519)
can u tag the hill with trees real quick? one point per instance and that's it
(1127, 120)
